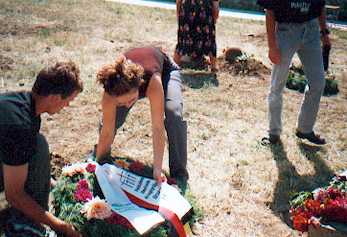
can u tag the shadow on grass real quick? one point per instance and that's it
(183, 185)
(199, 79)
(290, 182)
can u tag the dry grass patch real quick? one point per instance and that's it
(242, 186)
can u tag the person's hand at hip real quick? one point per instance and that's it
(275, 55)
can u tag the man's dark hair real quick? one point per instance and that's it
(61, 79)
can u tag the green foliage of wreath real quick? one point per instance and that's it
(66, 207)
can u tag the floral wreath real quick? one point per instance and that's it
(78, 200)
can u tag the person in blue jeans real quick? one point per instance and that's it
(145, 72)
(296, 26)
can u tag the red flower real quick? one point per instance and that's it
(117, 219)
(313, 206)
(91, 168)
(301, 219)
(336, 210)
(136, 167)
(82, 195)
(329, 204)
(82, 184)
(334, 193)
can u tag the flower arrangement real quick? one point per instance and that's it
(79, 200)
(297, 81)
(96, 208)
(323, 205)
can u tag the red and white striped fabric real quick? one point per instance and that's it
(140, 199)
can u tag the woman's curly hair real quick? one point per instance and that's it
(120, 77)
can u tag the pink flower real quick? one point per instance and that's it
(96, 208)
(91, 168)
(83, 195)
(82, 184)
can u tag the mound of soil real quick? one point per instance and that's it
(232, 54)
(241, 64)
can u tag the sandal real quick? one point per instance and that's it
(271, 140)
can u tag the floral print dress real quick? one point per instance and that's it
(196, 29)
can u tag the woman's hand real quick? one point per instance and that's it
(67, 229)
(275, 55)
(155, 94)
(159, 176)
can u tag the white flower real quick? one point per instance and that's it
(71, 170)
(96, 208)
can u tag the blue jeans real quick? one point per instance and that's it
(303, 39)
(17, 224)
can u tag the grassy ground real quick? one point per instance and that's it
(242, 186)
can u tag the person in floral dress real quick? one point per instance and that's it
(196, 35)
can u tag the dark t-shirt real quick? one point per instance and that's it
(152, 59)
(19, 127)
(293, 11)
